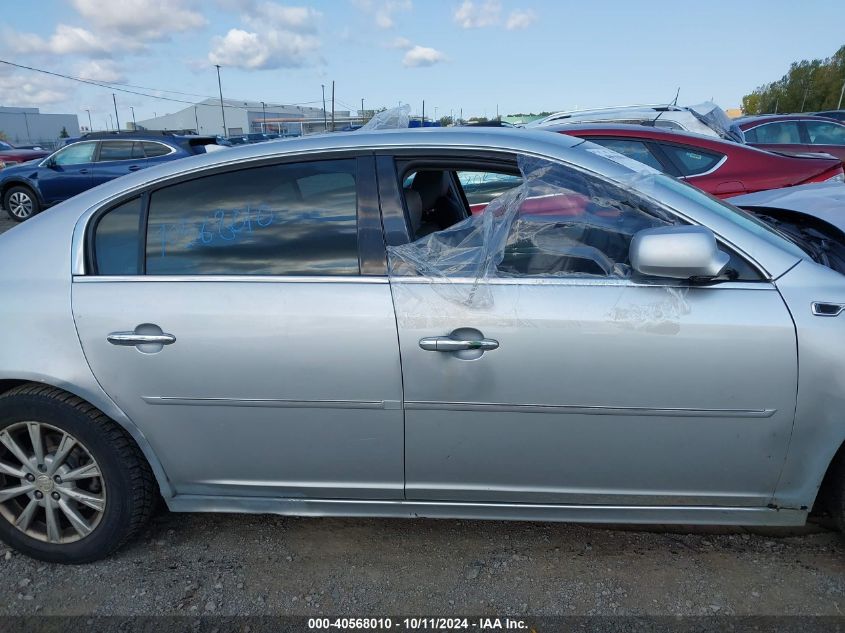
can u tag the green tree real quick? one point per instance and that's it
(446, 121)
(809, 85)
(63, 133)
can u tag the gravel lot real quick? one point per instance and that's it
(257, 565)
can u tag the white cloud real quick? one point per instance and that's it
(470, 15)
(112, 26)
(520, 19)
(422, 56)
(102, 70)
(384, 11)
(272, 15)
(401, 43)
(141, 20)
(259, 51)
(274, 36)
(66, 40)
(31, 90)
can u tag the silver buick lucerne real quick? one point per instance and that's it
(473, 323)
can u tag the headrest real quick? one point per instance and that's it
(431, 186)
(415, 209)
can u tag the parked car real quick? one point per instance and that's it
(11, 155)
(719, 167)
(812, 216)
(706, 118)
(169, 335)
(838, 115)
(794, 133)
(30, 188)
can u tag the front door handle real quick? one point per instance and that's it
(134, 167)
(131, 338)
(449, 344)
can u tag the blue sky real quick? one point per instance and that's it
(522, 55)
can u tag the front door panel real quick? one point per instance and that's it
(271, 388)
(606, 393)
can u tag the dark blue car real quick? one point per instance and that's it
(28, 188)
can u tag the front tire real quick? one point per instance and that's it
(74, 486)
(21, 203)
(833, 489)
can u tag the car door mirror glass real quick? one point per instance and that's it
(677, 252)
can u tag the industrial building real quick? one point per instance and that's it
(243, 117)
(29, 126)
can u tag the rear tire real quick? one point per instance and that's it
(87, 472)
(21, 203)
(833, 489)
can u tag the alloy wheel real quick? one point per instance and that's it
(20, 204)
(51, 487)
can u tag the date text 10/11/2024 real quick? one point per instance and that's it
(418, 624)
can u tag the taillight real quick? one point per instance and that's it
(831, 175)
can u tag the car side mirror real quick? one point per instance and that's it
(677, 252)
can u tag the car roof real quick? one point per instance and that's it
(747, 121)
(644, 131)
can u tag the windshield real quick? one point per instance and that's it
(4, 145)
(739, 217)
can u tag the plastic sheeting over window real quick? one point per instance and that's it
(559, 222)
(391, 119)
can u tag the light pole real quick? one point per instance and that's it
(220, 88)
(325, 120)
(116, 118)
(264, 113)
(196, 119)
(841, 92)
(134, 124)
(90, 125)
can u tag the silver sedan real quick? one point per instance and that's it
(349, 325)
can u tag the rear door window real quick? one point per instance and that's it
(118, 150)
(777, 133)
(152, 150)
(637, 150)
(692, 161)
(294, 219)
(824, 133)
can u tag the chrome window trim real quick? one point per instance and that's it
(78, 240)
(709, 171)
(276, 279)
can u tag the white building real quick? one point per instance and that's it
(243, 117)
(29, 126)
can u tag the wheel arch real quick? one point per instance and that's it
(102, 402)
(21, 182)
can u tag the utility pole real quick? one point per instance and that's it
(116, 118)
(264, 112)
(841, 92)
(196, 119)
(325, 122)
(497, 112)
(220, 88)
(332, 105)
(362, 111)
(134, 125)
(422, 123)
(90, 125)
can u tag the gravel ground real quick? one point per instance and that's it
(264, 565)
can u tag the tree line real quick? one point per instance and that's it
(809, 86)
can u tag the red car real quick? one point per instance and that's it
(10, 155)
(719, 167)
(794, 133)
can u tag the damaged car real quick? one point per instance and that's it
(323, 327)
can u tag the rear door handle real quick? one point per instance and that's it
(147, 338)
(134, 167)
(449, 344)
(83, 171)
(130, 339)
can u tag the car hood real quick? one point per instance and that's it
(825, 200)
